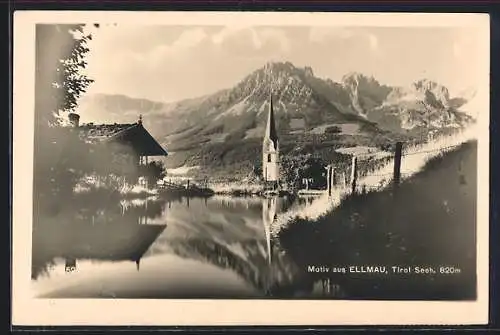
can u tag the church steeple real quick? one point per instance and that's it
(271, 132)
(270, 147)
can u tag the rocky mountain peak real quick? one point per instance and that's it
(278, 69)
(433, 93)
(279, 77)
(357, 78)
(365, 92)
(274, 68)
(308, 71)
(438, 90)
(425, 84)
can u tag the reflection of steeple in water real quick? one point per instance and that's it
(269, 215)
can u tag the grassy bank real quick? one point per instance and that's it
(430, 220)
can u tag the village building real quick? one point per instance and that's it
(131, 141)
(270, 150)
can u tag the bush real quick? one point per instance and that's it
(333, 130)
(154, 171)
(295, 168)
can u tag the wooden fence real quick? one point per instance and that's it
(335, 179)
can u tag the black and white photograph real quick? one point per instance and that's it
(255, 159)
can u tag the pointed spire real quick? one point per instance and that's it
(140, 119)
(271, 132)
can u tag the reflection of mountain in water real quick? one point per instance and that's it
(230, 233)
(117, 233)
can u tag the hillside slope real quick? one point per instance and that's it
(223, 130)
(429, 221)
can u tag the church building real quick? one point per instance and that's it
(270, 149)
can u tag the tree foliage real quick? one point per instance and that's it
(294, 169)
(74, 82)
(60, 62)
(154, 171)
(59, 83)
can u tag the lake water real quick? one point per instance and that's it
(217, 247)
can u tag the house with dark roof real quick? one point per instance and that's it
(130, 138)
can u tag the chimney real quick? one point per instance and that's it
(74, 119)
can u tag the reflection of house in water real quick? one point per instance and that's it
(120, 237)
(111, 242)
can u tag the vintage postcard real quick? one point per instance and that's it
(189, 168)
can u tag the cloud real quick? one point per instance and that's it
(464, 46)
(276, 35)
(324, 34)
(354, 36)
(189, 38)
(176, 62)
(110, 57)
(187, 41)
(373, 42)
(457, 50)
(230, 31)
(251, 37)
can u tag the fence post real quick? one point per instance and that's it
(354, 174)
(333, 178)
(329, 179)
(397, 163)
(461, 174)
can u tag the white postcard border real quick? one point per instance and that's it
(29, 311)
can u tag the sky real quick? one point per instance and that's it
(170, 63)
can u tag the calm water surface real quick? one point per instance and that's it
(217, 247)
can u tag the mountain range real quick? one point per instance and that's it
(223, 131)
